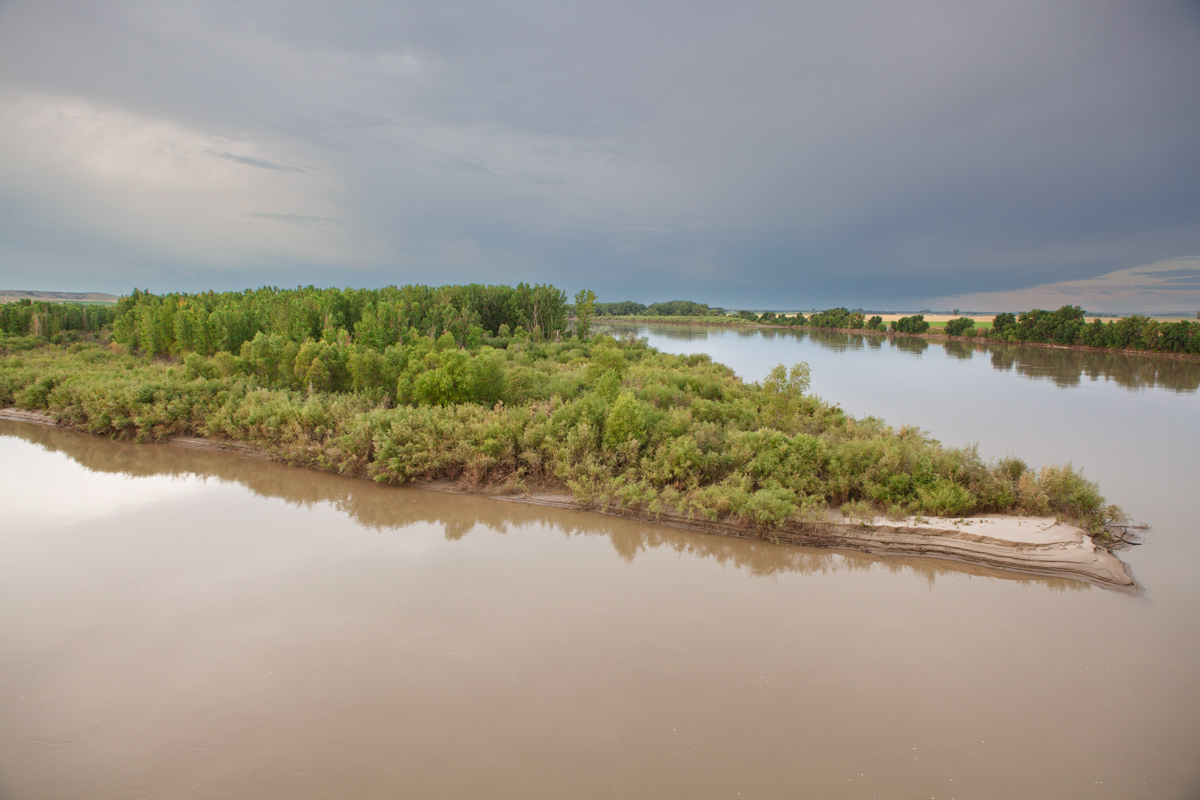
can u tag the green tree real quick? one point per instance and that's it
(1003, 323)
(447, 384)
(785, 387)
(487, 377)
(585, 309)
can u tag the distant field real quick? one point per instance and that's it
(13, 295)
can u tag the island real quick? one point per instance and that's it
(489, 389)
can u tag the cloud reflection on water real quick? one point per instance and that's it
(385, 508)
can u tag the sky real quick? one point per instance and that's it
(751, 154)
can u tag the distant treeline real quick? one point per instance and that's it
(672, 308)
(212, 322)
(39, 318)
(1066, 326)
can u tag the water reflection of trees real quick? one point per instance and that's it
(961, 350)
(910, 344)
(1067, 367)
(676, 332)
(390, 508)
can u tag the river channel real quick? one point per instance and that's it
(176, 623)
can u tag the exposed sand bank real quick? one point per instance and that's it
(1030, 545)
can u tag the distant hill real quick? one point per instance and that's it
(13, 295)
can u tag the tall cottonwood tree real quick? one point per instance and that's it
(585, 309)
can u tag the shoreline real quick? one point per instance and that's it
(982, 340)
(1027, 545)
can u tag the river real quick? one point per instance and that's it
(176, 623)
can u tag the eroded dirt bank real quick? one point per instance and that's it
(1030, 545)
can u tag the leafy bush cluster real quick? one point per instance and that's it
(960, 326)
(913, 324)
(614, 423)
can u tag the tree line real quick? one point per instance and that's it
(1066, 326)
(213, 322)
(670, 308)
(49, 320)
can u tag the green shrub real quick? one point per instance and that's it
(626, 422)
(913, 324)
(960, 326)
(1071, 495)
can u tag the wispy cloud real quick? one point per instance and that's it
(295, 219)
(261, 163)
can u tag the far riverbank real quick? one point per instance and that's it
(932, 335)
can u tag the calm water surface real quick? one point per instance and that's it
(185, 624)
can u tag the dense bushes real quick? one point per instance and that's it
(611, 422)
(913, 324)
(836, 318)
(960, 326)
(1059, 327)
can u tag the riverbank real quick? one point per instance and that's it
(1027, 545)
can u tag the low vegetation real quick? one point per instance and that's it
(491, 405)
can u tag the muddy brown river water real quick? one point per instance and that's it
(176, 623)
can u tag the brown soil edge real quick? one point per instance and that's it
(1043, 547)
(939, 337)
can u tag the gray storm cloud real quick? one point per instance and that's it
(787, 155)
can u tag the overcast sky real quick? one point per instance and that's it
(783, 155)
